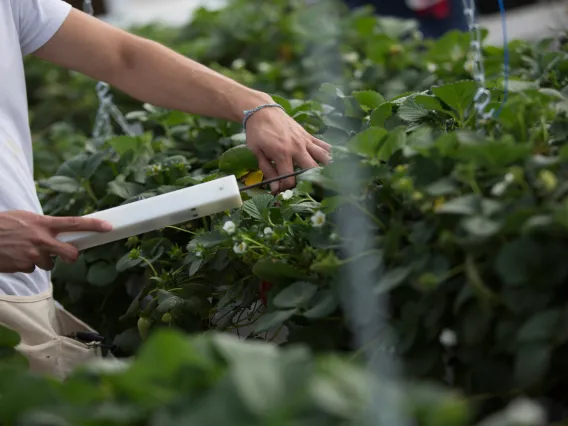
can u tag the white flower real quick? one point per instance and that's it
(199, 253)
(318, 219)
(334, 237)
(286, 195)
(229, 227)
(238, 64)
(509, 178)
(448, 338)
(240, 248)
(264, 67)
(351, 57)
(431, 67)
(524, 412)
(268, 231)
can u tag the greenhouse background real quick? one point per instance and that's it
(419, 279)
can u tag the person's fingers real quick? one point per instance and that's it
(304, 160)
(284, 167)
(44, 261)
(76, 224)
(319, 154)
(65, 251)
(268, 170)
(321, 144)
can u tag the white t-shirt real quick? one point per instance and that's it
(25, 26)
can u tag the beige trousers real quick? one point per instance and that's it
(43, 329)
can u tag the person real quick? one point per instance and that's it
(54, 31)
(435, 17)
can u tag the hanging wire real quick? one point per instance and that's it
(506, 59)
(102, 130)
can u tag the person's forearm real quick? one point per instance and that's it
(155, 74)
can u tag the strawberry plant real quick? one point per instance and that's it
(455, 226)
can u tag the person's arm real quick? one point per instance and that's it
(155, 74)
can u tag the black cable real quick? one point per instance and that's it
(276, 179)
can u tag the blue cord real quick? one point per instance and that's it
(505, 56)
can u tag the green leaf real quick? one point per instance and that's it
(275, 271)
(273, 319)
(458, 96)
(260, 382)
(295, 295)
(532, 362)
(540, 327)
(258, 206)
(63, 184)
(71, 273)
(464, 205)
(239, 161)
(123, 189)
(123, 144)
(395, 140)
(481, 226)
(323, 305)
(8, 337)
(429, 103)
(209, 239)
(125, 262)
(367, 142)
(380, 115)
(283, 102)
(493, 153)
(392, 279)
(101, 273)
(331, 90)
(368, 99)
(92, 164)
(411, 111)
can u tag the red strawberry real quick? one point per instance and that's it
(441, 10)
(264, 288)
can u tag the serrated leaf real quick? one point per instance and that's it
(238, 161)
(395, 140)
(125, 262)
(295, 295)
(275, 271)
(368, 99)
(102, 273)
(63, 184)
(458, 96)
(429, 103)
(464, 205)
(392, 279)
(367, 142)
(381, 114)
(323, 305)
(481, 226)
(273, 319)
(123, 189)
(258, 206)
(411, 111)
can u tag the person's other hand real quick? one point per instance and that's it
(28, 240)
(274, 137)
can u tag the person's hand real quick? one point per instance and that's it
(274, 137)
(28, 240)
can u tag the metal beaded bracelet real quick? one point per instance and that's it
(250, 112)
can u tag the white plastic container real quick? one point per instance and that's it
(160, 211)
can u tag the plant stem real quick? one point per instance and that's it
(89, 190)
(181, 230)
(150, 265)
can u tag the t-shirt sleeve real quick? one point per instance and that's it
(37, 21)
